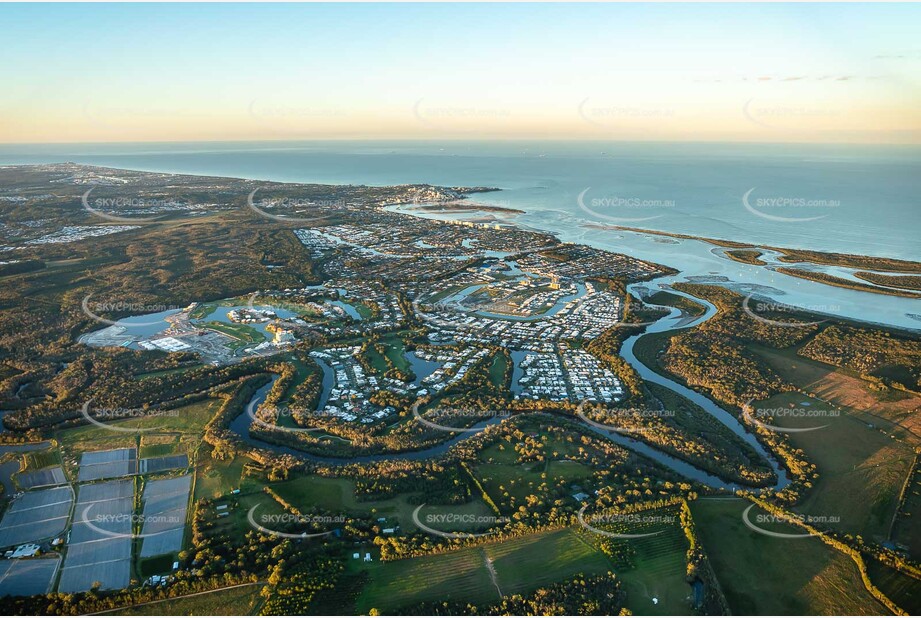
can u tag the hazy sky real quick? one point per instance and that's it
(823, 73)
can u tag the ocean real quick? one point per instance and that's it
(851, 199)
(843, 198)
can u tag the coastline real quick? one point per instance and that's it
(689, 261)
(793, 255)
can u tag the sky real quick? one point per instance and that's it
(675, 72)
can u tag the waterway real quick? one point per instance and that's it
(421, 367)
(673, 321)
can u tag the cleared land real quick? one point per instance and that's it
(653, 567)
(765, 575)
(521, 565)
(842, 388)
(903, 589)
(906, 530)
(853, 458)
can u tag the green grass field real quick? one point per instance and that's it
(497, 369)
(891, 410)
(853, 459)
(395, 349)
(459, 576)
(394, 352)
(535, 560)
(243, 334)
(764, 575)
(653, 567)
(521, 565)
(510, 485)
(190, 419)
(215, 478)
(159, 445)
(363, 310)
(36, 460)
(337, 495)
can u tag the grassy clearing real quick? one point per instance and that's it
(853, 459)
(521, 565)
(907, 530)
(474, 516)
(243, 601)
(243, 334)
(215, 478)
(337, 495)
(458, 576)
(395, 350)
(497, 370)
(159, 445)
(203, 310)
(499, 453)
(180, 428)
(890, 410)
(535, 560)
(516, 482)
(376, 360)
(364, 311)
(653, 567)
(764, 575)
(550, 469)
(187, 420)
(36, 460)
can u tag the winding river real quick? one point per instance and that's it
(675, 320)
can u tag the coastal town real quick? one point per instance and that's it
(532, 303)
(314, 384)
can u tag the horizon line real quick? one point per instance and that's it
(470, 139)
